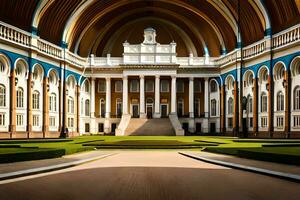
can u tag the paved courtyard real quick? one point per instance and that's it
(148, 175)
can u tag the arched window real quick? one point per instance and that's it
(53, 78)
(71, 83)
(2, 67)
(52, 102)
(263, 75)
(20, 69)
(20, 97)
(230, 83)
(230, 106)
(248, 82)
(86, 87)
(213, 86)
(213, 107)
(250, 104)
(36, 100)
(37, 73)
(297, 98)
(280, 101)
(264, 102)
(2, 96)
(70, 105)
(119, 107)
(87, 107)
(102, 108)
(180, 107)
(279, 71)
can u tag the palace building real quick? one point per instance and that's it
(150, 67)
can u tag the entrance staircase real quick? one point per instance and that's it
(149, 127)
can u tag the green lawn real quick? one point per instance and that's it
(263, 149)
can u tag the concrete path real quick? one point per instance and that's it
(149, 175)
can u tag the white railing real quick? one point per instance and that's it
(229, 58)
(76, 59)
(15, 35)
(49, 48)
(254, 49)
(286, 37)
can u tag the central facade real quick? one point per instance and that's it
(148, 82)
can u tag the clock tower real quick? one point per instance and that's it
(149, 36)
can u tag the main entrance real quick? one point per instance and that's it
(149, 108)
(135, 110)
(164, 110)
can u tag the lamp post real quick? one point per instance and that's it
(63, 132)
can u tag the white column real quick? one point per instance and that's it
(125, 95)
(206, 107)
(108, 98)
(191, 97)
(107, 106)
(191, 105)
(142, 97)
(92, 104)
(157, 97)
(173, 95)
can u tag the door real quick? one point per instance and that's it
(164, 110)
(149, 111)
(135, 111)
(100, 127)
(212, 127)
(113, 127)
(198, 128)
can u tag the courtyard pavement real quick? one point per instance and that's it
(148, 175)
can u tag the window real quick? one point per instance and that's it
(87, 107)
(20, 119)
(180, 86)
(180, 107)
(213, 107)
(280, 101)
(250, 104)
(264, 122)
(101, 86)
(20, 69)
(149, 86)
(119, 108)
(263, 75)
(2, 66)
(230, 122)
(264, 102)
(2, 119)
(250, 122)
(197, 86)
(52, 78)
(86, 87)
(36, 100)
(70, 122)
(2, 96)
(230, 106)
(296, 121)
(118, 86)
(134, 86)
(279, 72)
(81, 106)
(213, 86)
(197, 108)
(71, 83)
(51, 121)
(230, 83)
(52, 102)
(279, 122)
(20, 98)
(164, 86)
(297, 98)
(36, 120)
(102, 108)
(37, 73)
(249, 79)
(71, 105)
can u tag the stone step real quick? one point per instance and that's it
(149, 127)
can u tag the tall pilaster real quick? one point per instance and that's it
(206, 106)
(142, 97)
(92, 104)
(287, 104)
(107, 106)
(29, 103)
(173, 95)
(191, 105)
(125, 95)
(157, 97)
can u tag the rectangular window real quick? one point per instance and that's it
(251, 122)
(296, 121)
(71, 106)
(279, 122)
(70, 122)
(134, 86)
(2, 119)
(36, 120)
(149, 86)
(101, 86)
(164, 86)
(264, 122)
(180, 86)
(20, 119)
(52, 121)
(118, 86)
(213, 104)
(197, 86)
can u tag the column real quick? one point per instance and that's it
(157, 97)
(107, 106)
(287, 104)
(142, 97)
(173, 95)
(236, 109)
(77, 95)
(29, 103)
(92, 105)
(206, 106)
(222, 103)
(125, 95)
(191, 105)
(255, 107)
(270, 106)
(45, 108)
(13, 99)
